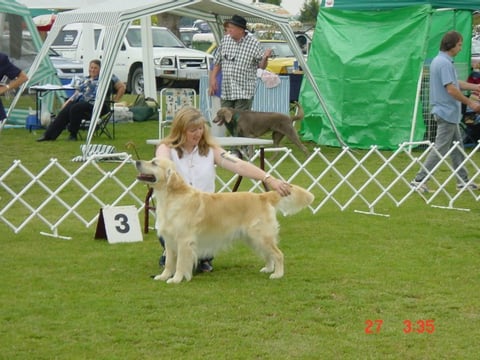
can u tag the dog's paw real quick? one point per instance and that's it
(178, 278)
(266, 269)
(175, 280)
(163, 276)
(276, 276)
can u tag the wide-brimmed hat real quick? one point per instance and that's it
(237, 20)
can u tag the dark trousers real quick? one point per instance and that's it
(70, 117)
(3, 115)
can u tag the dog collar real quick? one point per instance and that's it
(235, 118)
(232, 125)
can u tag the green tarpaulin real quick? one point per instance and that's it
(389, 4)
(369, 66)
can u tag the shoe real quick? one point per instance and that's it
(471, 186)
(43, 138)
(72, 138)
(205, 266)
(421, 188)
(161, 261)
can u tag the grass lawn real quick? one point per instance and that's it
(355, 286)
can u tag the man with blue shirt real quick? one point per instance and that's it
(446, 98)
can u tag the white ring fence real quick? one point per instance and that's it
(367, 182)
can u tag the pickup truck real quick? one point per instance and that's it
(175, 65)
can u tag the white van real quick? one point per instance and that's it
(174, 63)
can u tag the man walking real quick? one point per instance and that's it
(446, 98)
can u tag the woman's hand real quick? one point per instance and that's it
(282, 187)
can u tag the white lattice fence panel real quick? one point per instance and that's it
(364, 181)
(59, 193)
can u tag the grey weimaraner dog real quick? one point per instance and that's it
(254, 124)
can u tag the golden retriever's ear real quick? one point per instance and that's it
(174, 181)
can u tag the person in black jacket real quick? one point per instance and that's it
(15, 77)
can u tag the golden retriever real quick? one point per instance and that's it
(197, 224)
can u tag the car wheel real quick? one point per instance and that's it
(136, 84)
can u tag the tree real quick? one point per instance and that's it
(169, 21)
(309, 11)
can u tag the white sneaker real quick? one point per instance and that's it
(421, 188)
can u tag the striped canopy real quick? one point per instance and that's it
(117, 15)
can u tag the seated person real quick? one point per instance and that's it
(80, 105)
(470, 116)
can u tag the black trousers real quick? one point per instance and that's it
(71, 117)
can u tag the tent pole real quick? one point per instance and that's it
(415, 110)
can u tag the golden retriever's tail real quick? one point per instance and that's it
(299, 112)
(298, 199)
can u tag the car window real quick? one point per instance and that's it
(96, 36)
(280, 49)
(65, 38)
(187, 37)
(68, 37)
(20, 49)
(160, 38)
(24, 53)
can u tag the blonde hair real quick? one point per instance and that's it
(185, 118)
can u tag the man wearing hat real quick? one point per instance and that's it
(238, 57)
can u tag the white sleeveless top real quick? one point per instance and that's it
(196, 170)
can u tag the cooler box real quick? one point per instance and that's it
(32, 122)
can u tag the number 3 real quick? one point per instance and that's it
(123, 226)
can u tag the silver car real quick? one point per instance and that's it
(23, 56)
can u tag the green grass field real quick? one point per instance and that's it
(355, 286)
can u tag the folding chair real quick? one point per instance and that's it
(172, 100)
(102, 125)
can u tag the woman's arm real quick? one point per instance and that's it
(244, 168)
(163, 151)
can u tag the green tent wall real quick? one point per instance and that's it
(389, 4)
(368, 65)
